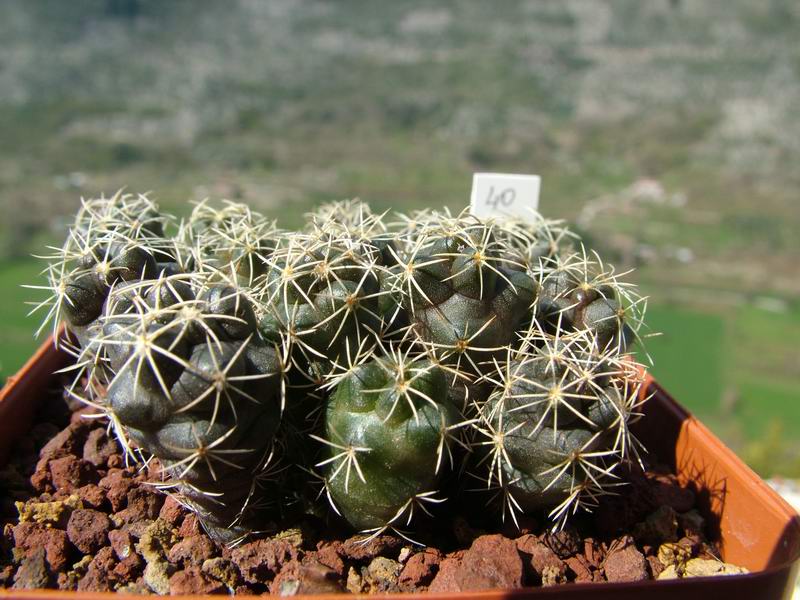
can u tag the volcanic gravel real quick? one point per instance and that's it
(74, 516)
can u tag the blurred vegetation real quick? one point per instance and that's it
(668, 131)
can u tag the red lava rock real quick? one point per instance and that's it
(540, 558)
(666, 490)
(328, 555)
(145, 502)
(153, 471)
(580, 568)
(31, 537)
(69, 473)
(98, 577)
(355, 549)
(310, 577)
(190, 526)
(624, 562)
(88, 529)
(261, 560)
(491, 562)
(191, 550)
(74, 458)
(6, 575)
(171, 511)
(116, 484)
(40, 480)
(92, 496)
(32, 572)
(98, 447)
(137, 528)
(104, 559)
(121, 543)
(94, 580)
(129, 568)
(193, 581)
(457, 554)
(65, 443)
(447, 579)
(142, 504)
(420, 569)
(65, 582)
(655, 566)
(593, 553)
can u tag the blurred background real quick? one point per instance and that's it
(667, 132)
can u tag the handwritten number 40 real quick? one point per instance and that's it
(505, 197)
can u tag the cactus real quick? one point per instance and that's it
(579, 293)
(389, 426)
(555, 429)
(170, 351)
(112, 240)
(196, 386)
(464, 291)
(322, 292)
(232, 239)
(396, 359)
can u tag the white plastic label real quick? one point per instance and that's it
(505, 195)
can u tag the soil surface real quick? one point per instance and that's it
(75, 516)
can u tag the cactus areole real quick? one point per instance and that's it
(384, 363)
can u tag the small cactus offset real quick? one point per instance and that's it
(388, 425)
(195, 385)
(396, 360)
(555, 428)
(116, 239)
(465, 291)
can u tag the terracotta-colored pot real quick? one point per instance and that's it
(757, 528)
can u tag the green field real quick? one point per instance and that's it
(16, 335)
(730, 370)
(688, 356)
(721, 365)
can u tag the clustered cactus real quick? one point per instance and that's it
(395, 361)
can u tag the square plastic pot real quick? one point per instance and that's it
(756, 527)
